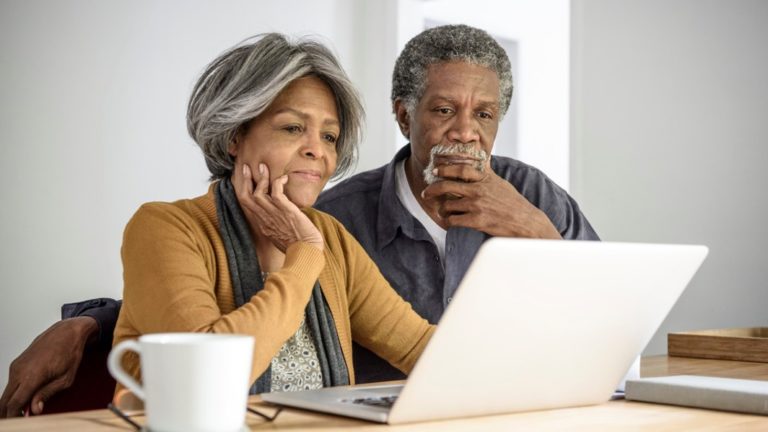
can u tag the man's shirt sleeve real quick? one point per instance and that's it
(103, 310)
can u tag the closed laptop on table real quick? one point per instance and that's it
(534, 324)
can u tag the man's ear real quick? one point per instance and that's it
(402, 117)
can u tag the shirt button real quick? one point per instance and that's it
(437, 257)
(449, 299)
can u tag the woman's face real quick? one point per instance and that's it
(296, 136)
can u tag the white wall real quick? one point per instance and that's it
(670, 142)
(92, 123)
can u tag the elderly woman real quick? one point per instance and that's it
(275, 120)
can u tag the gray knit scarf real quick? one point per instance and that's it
(246, 282)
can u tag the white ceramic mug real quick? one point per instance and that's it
(191, 381)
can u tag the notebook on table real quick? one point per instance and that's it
(534, 325)
(727, 394)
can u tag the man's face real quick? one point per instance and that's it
(457, 117)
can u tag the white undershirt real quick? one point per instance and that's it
(405, 194)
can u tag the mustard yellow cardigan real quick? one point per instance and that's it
(176, 279)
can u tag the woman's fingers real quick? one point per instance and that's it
(262, 182)
(271, 213)
(278, 194)
(281, 201)
(247, 180)
(250, 196)
(297, 223)
(256, 187)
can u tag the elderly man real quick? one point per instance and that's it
(421, 217)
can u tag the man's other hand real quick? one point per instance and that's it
(47, 366)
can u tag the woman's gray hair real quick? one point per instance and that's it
(241, 84)
(445, 44)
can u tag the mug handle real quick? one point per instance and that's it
(117, 371)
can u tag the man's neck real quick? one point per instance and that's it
(417, 184)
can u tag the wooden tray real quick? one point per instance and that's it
(742, 344)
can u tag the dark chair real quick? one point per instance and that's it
(93, 387)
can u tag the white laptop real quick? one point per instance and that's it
(534, 325)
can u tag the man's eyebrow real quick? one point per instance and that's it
(304, 116)
(442, 97)
(482, 103)
(489, 104)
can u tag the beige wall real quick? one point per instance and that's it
(670, 142)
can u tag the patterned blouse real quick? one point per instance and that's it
(296, 366)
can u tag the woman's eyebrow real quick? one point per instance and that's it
(304, 116)
(292, 111)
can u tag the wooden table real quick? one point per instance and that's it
(613, 416)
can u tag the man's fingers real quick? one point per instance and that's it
(460, 172)
(445, 187)
(466, 220)
(45, 393)
(36, 407)
(10, 389)
(17, 400)
(20, 399)
(454, 206)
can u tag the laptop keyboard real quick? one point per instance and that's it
(381, 401)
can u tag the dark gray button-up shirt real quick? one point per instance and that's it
(368, 206)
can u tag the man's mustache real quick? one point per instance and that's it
(479, 156)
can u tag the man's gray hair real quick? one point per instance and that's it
(446, 44)
(241, 84)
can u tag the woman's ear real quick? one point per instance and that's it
(402, 117)
(239, 137)
(235, 144)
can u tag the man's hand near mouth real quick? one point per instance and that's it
(480, 199)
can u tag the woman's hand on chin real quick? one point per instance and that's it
(272, 214)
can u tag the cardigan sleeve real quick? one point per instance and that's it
(170, 284)
(381, 320)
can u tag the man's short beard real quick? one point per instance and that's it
(453, 149)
